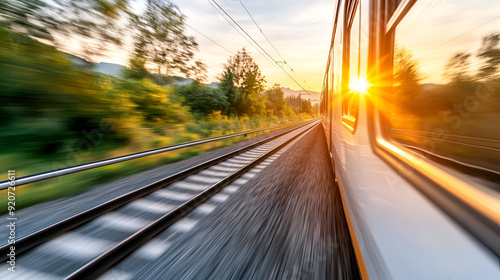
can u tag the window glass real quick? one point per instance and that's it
(337, 51)
(354, 48)
(356, 74)
(446, 81)
(350, 100)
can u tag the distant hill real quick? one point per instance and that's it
(117, 70)
(180, 81)
(183, 81)
(303, 93)
(103, 67)
(109, 68)
(213, 85)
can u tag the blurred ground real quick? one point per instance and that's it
(44, 214)
(285, 223)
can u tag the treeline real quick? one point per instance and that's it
(299, 105)
(467, 102)
(92, 29)
(241, 92)
(462, 82)
(56, 112)
(49, 104)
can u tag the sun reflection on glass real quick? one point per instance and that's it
(359, 86)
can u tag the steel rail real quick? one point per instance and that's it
(99, 163)
(447, 134)
(457, 162)
(449, 141)
(38, 237)
(100, 264)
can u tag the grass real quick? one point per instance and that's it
(51, 189)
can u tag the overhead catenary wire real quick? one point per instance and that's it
(464, 33)
(210, 39)
(232, 25)
(272, 45)
(228, 18)
(260, 29)
(253, 43)
(423, 14)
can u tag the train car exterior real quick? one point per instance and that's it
(409, 90)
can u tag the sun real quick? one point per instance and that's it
(359, 86)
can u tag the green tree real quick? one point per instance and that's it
(295, 103)
(242, 82)
(306, 107)
(406, 73)
(161, 41)
(203, 100)
(230, 90)
(154, 104)
(93, 25)
(406, 80)
(458, 66)
(490, 52)
(299, 105)
(275, 101)
(137, 69)
(45, 98)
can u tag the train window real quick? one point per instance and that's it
(445, 99)
(337, 51)
(354, 82)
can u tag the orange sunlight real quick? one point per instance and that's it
(360, 86)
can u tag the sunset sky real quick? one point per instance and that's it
(300, 31)
(433, 31)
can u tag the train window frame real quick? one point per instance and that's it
(352, 8)
(472, 207)
(399, 13)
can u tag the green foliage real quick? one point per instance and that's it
(466, 104)
(202, 100)
(91, 25)
(137, 69)
(243, 84)
(25, 16)
(406, 79)
(151, 102)
(306, 107)
(162, 42)
(42, 93)
(299, 105)
(490, 52)
(276, 103)
(230, 91)
(56, 113)
(458, 67)
(410, 97)
(45, 98)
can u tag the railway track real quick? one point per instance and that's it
(485, 167)
(452, 139)
(86, 245)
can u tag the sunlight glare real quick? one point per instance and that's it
(360, 86)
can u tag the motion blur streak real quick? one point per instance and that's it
(481, 200)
